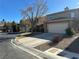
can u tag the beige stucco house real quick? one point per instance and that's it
(41, 24)
(60, 21)
(5, 27)
(1, 27)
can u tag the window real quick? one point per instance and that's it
(72, 14)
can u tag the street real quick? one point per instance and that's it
(8, 51)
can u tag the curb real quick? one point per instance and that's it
(25, 50)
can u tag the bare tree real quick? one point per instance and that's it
(32, 12)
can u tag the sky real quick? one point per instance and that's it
(10, 10)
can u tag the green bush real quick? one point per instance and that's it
(69, 32)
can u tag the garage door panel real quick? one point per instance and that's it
(57, 27)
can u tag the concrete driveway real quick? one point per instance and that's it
(36, 40)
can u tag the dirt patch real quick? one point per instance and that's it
(69, 44)
(43, 47)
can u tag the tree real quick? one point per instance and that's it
(14, 26)
(32, 12)
(5, 25)
(3, 21)
(25, 23)
(17, 27)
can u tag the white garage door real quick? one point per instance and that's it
(57, 27)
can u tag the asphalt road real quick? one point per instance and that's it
(8, 51)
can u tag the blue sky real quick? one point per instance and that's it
(10, 9)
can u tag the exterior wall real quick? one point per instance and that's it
(43, 21)
(45, 27)
(57, 27)
(1, 27)
(71, 14)
(58, 16)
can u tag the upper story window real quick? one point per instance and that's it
(72, 14)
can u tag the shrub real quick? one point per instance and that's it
(69, 32)
(56, 39)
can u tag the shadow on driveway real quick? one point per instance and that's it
(46, 36)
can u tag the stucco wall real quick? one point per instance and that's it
(64, 14)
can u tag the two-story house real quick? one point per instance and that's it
(41, 24)
(60, 21)
(1, 27)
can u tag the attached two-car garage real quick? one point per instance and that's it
(57, 26)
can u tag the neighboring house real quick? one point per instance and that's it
(25, 25)
(1, 27)
(9, 27)
(60, 21)
(41, 24)
(5, 28)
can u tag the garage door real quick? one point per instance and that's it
(57, 27)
